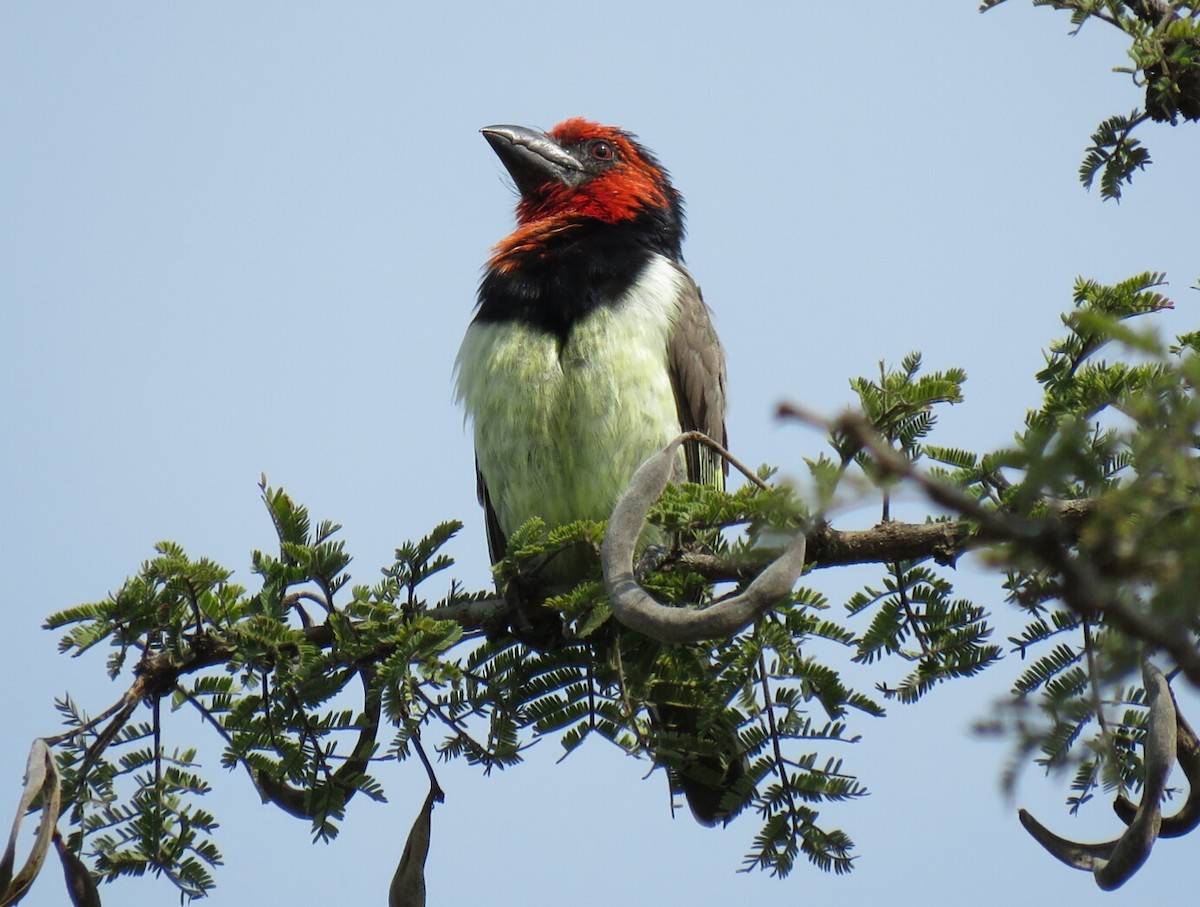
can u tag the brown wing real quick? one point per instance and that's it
(697, 363)
(497, 542)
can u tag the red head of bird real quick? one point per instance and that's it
(582, 173)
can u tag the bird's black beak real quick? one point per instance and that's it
(532, 158)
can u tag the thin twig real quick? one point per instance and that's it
(1094, 682)
(630, 711)
(700, 437)
(87, 725)
(780, 762)
(435, 789)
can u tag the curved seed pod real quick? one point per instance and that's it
(634, 607)
(294, 801)
(41, 780)
(1113, 863)
(81, 887)
(408, 883)
(1188, 818)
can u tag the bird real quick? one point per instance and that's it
(590, 349)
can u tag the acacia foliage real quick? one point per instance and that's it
(1164, 60)
(309, 681)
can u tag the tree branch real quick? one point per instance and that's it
(1048, 540)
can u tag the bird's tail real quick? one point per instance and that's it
(702, 755)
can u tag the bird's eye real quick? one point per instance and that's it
(601, 150)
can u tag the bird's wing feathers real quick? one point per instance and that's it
(697, 364)
(497, 542)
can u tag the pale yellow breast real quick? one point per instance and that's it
(559, 432)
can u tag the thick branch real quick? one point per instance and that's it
(945, 542)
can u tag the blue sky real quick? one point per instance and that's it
(245, 238)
